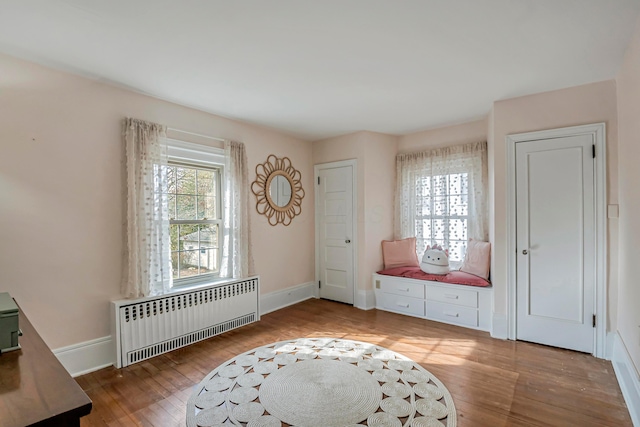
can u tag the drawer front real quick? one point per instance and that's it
(467, 298)
(451, 313)
(412, 290)
(402, 304)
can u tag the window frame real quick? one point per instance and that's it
(198, 156)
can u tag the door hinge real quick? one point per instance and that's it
(319, 284)
(318, 180)
(593, 150)
(594, 320)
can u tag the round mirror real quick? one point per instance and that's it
(280, 191)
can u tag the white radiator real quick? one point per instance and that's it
(147, 327)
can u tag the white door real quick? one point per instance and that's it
(334, 218)
(556, 256)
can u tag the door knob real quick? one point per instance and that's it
(525, 252)
(347, 241)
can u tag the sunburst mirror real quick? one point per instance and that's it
(278, 190)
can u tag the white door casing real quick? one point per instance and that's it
(555, 242)
(335, 231)
(532, 234)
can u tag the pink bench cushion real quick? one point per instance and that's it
(453, 277)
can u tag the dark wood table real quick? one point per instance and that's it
(35, 389)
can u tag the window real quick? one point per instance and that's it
(194, 205)
(442, 212)
(441, 198)
(193, 198)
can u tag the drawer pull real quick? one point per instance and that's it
(405, 305)
(451, 296)
(404, 290)
(451, 314)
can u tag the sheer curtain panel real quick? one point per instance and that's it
(147, 269)
(237, 259)
(441, 197)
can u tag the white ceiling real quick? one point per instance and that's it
(320, 68)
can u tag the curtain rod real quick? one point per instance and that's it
(196, 134)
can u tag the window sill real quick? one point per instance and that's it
(198, 284)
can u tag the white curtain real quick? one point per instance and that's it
(441, 197)
(147, 269)
(237, 260)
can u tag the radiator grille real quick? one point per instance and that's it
(163, 347)
(158, 325)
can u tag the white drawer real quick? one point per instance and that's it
(402, 304)
(452, 313)
(413, 290)
(468, 298)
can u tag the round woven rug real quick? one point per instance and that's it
(321, 382)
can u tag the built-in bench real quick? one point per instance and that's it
(438, 299)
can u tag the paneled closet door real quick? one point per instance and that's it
(334, 211)
(556, 254)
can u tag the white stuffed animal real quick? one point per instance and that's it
(435, 260)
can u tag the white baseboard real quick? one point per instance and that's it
(280, 299)
(499, 327)
(627, 378)
(365, 299)
(611, 338)
(82, 358)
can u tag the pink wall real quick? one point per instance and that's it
(475, 131)
(629, 176)
(592, 103)
(375, 154)
(61, 203)
(379, 189)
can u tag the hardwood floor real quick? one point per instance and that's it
(493, 382)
